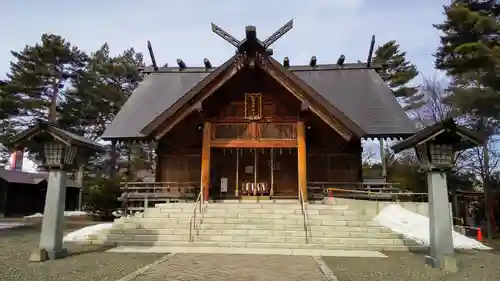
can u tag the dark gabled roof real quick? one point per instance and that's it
(446, 131)
(155, 93)
(69, 138)
(358, 92)
(189, 94)
(13, 176)
(364, 97)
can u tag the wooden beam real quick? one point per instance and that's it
(302, 158)
(254, 143)
(333, 123)
(205, 160)
(205, 93)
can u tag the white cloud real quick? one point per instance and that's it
(325, 28)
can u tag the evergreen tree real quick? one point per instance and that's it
(40, 75)
(9, 107)
(398, 72)
(101, 90)
(470, 55)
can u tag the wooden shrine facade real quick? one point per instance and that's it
(252, 137)
(257, 127)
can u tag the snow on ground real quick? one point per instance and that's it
(82, 234)
(66, 214)
(415, 226)
(7, 225)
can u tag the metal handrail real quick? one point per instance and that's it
(192, 220)
(304, 214)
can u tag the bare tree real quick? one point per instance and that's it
(434, 108)
(367, 156)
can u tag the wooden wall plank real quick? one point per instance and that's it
(205, 160)
(302, 158)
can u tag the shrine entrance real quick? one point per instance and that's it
(254, 173)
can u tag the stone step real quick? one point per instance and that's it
(242, 205)
(257, 232)
(327, 207)
(366, 228)
(296, 233)
(270, 245)
(247, 206)
(158, 231)
(337, 222)
(151, 225)
(220, 220)
(185, 216)
(148, 237)
(299, 226)
(274, 201)
(289, 211)
(162, 221)
(332, 212)
(188, 205)
(221, 224)
(288, 221)
(297, 239)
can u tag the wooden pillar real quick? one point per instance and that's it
(302, 158)
(205, 159)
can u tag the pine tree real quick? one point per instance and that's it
(40, 74)
(96, 97)
(398, 72)
(470, 55)
(9, 107)
(101, 90)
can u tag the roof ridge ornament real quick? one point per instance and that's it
(251, 37)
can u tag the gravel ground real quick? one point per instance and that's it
(474, 266)
(87, 262)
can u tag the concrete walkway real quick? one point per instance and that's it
(250, 251)
(217, 267)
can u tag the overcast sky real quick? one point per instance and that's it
(181, 29)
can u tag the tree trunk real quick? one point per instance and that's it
(486, 187)
(52, 116)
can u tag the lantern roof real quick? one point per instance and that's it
(48, 129)
(445, 132)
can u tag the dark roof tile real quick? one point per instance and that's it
(358, 92)
(155, 93)
(364, 97)
(13, 176)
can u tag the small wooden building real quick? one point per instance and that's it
(23, 193)
(256, 127)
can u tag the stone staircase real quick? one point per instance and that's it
(264, 224)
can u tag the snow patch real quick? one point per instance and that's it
(415, 226)
(7, 225)
(66, 214)
(82, 234)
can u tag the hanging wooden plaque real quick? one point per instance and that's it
(253, 106)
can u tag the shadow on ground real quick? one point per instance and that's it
(85, 262)
(404, 266)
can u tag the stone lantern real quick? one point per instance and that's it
(61, 152)
(435, 147)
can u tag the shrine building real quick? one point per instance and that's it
(258, 127)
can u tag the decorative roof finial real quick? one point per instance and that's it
(251, 37)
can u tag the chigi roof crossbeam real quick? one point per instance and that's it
(251, 45)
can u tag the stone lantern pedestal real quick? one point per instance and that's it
(435, 147)
(61, 149)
